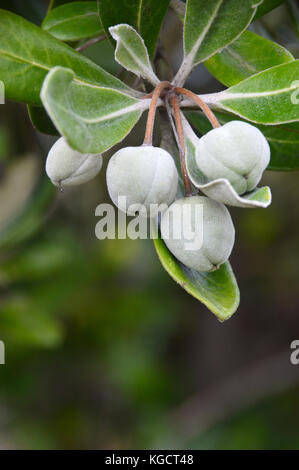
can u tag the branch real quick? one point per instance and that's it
(91, 42)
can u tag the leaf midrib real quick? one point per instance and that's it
(192, 53)
(143, 66)
(241, 60)
(139, 15)
(281, 141)
(69, 20)
(129, 109)
(47, 69)
(234, 96)
(23, 60)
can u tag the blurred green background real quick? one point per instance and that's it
(103, 349)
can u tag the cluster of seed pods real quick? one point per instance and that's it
(146, 176)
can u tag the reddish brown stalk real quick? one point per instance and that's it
(146, 97)
(180, 132)
(204, 107)
(91, 42)
(148, 138)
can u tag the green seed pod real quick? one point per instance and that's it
(67, 167)
(142, 176)
(236, 151)
(199, 232)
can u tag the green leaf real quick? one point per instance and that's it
(41, 120)
(145, 16)
(57, 3)
(284, 144)
(27, 53)
(293, 9)
(209, 27)
(218, 290)
(283, 139)
(92, 118)
(267, 6)
(131, 52)
(269, 97)
(74, 21)
(246, 56)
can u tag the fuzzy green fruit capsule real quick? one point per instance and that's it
(67, 167)
(199, 232)
(142, 177)
(236, 151)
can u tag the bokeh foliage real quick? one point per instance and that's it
(102, 347)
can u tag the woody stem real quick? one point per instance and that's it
(204, 107)
(180, 133)
(148, 138)
(91, 42)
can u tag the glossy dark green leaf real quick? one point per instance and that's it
(209, 27)
(32, 10)
(247, 55)
(293, 9)
(41, 120)
(145, 16)
(57, 3)
(284, 143)
(283, 139)
(74, 21)
(218, 290)
(27, 53)
(266, 6)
